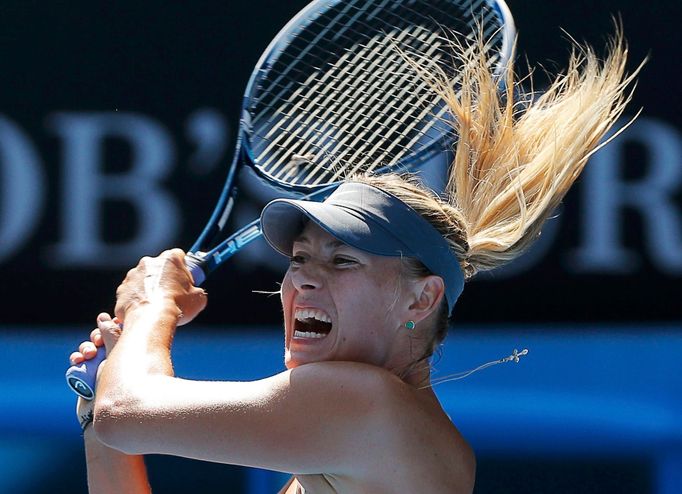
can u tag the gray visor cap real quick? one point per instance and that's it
(370, 220)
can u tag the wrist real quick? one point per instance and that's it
(85, 419)
(163, 309)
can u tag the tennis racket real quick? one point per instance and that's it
(333, 95)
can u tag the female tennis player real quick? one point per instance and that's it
(375, 272)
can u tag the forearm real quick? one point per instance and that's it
(112, 472)
(142, 351)
(150, 302)
(128, 382)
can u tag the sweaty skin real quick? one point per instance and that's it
(339, 417)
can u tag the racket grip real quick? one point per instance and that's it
(81, 378)
(195, 264)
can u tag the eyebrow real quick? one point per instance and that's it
(332, 244)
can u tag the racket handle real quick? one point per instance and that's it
(81, 378)
(195, 264)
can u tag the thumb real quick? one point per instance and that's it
(110, 330)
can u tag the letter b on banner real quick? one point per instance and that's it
(86, 186)
(22, 188)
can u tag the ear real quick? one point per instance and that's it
(429, 292)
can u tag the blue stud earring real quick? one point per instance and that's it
(410, 325)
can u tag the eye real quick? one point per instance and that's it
(296, 260)
(344, 261)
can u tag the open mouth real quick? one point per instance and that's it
(312, 324)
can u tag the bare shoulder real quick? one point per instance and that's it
(426, 449)
(436, 456)
(364, 383)
(353, 390)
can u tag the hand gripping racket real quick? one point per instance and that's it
(333, 95)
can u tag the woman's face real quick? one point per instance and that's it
(340, 303)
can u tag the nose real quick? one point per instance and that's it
(307, 277)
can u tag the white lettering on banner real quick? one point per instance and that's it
(22, 188)
(85, 186)
(606, 194)
(208, 130)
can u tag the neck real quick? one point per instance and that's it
(416, 374)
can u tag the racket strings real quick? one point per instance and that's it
(395, 117)
(286, 77)
(371, 91)
(373, 101)
(329, 86)
(342, 98)
(301, 62)
(344, 101)
(424, 14)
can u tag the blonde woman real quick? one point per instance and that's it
(375, 272)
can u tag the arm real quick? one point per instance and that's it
(109, 470)
(325, 417)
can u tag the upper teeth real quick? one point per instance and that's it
(302, 314)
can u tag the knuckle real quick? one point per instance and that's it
(177, 257)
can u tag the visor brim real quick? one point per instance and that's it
(283, 220)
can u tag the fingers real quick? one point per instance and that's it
(191, 305)
(96, 337)
(177, 256)
(86, 351)
(161, 279)
(76, 358)
(109, 330)
(103, 317)
(174, 256)
(155, 279)
(106, 334)
(198, 297)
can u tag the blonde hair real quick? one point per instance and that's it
(516, 154)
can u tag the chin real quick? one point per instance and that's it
(291, 362)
